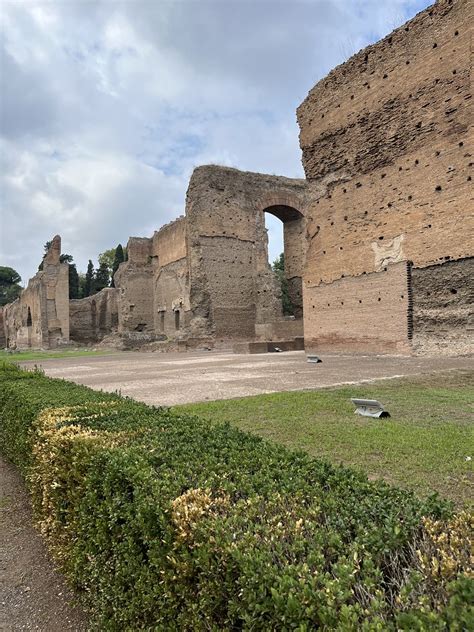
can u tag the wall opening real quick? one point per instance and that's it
(162, 321)
(286, 231)
(29, 320)
(176, 319)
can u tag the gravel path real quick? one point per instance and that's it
(33, 596)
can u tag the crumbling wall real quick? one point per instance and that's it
(2, 330)
(232, 286)
(134, 280)
(94, 317)
(443, 307)
(387, 144)
(171, 280)
(39, 318)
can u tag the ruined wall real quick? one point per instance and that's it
(171, 280)
(134, 280)
(387, 151)
(232, 286)
(94, 317)
(443, 307)
(39, 318)
(2, 330)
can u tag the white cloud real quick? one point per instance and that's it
(107, 106)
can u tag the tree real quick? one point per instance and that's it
(82, 285)
(10, 287)
(102, 277)
(73, 281)
(279, 269)
(89, 280)
(119, 257)
(107, 257)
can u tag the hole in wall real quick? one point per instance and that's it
(438, 188)
(435, 45)
(456, 32)
(453, 291)
(461, 144)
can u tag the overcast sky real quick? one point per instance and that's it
(107, 106)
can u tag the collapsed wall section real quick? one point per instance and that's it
(94, 317)
(387, 151)
(232, 287)
(443, 307)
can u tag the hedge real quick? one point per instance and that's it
(163, 521)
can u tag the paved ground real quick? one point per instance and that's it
(178, 378)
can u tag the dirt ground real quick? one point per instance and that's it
(33, 596)
(179, 378)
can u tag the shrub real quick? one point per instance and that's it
(163, 521)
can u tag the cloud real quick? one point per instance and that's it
(106, 107)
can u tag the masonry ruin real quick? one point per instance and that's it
(377, 237)
(39, 318)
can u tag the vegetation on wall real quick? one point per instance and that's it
(164, 521)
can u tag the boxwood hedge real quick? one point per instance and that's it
(163, 521)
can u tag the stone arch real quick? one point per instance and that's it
(290, 211)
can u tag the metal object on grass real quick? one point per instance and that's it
(369, 408)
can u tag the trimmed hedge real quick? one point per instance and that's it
(163, 521)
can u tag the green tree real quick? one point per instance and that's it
(278, 267)
(63, 258)
(119, 257)
(107, 258)
(89, 286)
(10, 287)
(82, 285)
(73, 281)
(102, 277)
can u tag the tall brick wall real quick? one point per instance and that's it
(387, 151)
(231, 284)
(171, 279)
(39, 318)
(134, 279)
(95, 316)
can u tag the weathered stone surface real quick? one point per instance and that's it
(39, 318)
(94, 317)
(387, 151)
(232, 287)
(2, 330)
(443, 307)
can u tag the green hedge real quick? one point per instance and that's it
(163, 521)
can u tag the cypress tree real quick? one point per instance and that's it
(73, 281)
(118, 259)
(89, 284)
(102, 277)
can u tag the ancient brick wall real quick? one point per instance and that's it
(387, 151)
(232, 286)
(134, 280)
(171, 280)
(443, 307)
(2, 330)
(94, 317)
(39, 318)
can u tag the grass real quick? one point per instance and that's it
(423, 446)
(23, 356)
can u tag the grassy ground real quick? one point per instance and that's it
(22, 356)
(424, 446)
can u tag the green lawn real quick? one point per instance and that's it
(22, 356)
(423, 446)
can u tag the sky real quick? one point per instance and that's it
(106, 106)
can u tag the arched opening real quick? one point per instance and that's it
(176, 319)
(29, 320)
(288, 268)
